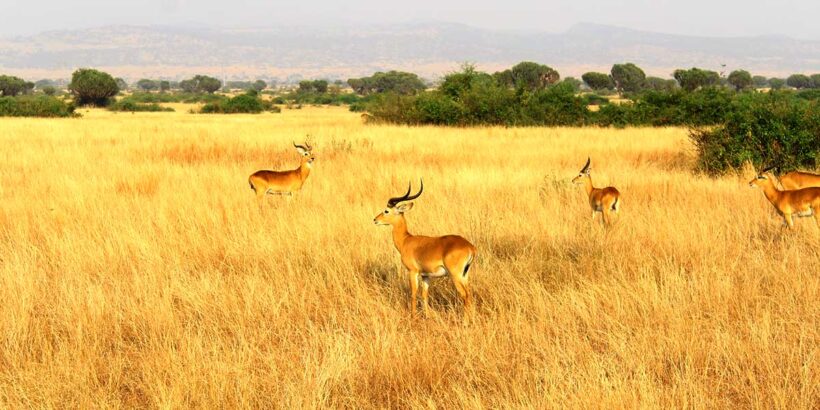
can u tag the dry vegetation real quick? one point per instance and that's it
(137, 271)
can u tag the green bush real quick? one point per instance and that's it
(766, 129)
(35, 106)
(248, 103)
(92, 87)
(127, 104)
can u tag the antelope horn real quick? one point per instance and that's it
(586, 166)
(767, 169)
(394, 201)
(421, 189)
(301, 146)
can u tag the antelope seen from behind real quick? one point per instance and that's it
(283, 182)
(800, 202)
(603, 200)
(798, 179)
(428, 257)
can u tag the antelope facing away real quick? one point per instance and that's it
(428, 257)
(283, 182)
(603, 200)
(797, 180)
(800, 202)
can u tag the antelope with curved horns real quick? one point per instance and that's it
(798, 179)
(283, 182)
(800, 202)
(603, 200)
(427, 257)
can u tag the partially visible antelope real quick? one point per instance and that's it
(428, 257)
(283, 182)
(603, 200)
(800, 202)
(798, 179)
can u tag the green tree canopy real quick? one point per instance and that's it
(740, 79)
(259, 85)
(147, 85)
(598, 81)
(760, 81)
(777, 83)
(628, 77)
(528, 75)
(11, 86)
(799, 81)
(660, 84)
(398, 82)
(694, 78)
(92, 87)
(815, 80)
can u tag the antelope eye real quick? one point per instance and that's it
(386, 211)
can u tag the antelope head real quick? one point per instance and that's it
(761, 177)
(396, 207)
(584, 173)
(306, 151)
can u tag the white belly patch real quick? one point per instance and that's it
(437, 273)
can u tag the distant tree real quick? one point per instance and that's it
(815, 80)
(121, 84)
(320, 86)
(799, 81)
(39, 84)
(92, 87)
(147, 85)
(740, 79)
(529, 76)
(694, 78)
(573, 82)
(201, 84)
(398, 82)
(259, 85)
(11, 86)
(660, 84)
(28, 87)
(628, 77)
(598, 81)
(306, 86)
(164, 86)
(760, 81)
(49, 90)
(777, 83)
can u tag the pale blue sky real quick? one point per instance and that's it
(794, 18)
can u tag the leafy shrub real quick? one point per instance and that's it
(92, 87)
(35, 106)
(127, 104)
(771, 129)
(248, 103)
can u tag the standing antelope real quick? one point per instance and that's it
(603, 200)
(800, 202)
(426, 257)
(283, 182)
(797, 179)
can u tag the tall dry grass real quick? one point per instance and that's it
(136, 270)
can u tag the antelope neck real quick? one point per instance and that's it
(400, 233)
(588, 184)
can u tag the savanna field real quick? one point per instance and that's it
(136, 270)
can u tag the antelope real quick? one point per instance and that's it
(427, 257)
(800, 202)
(603, 200)
(797, 180)
(283, 182)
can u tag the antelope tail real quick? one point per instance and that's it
(467, 265)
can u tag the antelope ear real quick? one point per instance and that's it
(404, 207)
(301, 150)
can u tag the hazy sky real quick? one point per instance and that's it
(794, 18)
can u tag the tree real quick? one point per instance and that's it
(147, 85)
(188, 85)
(320, 86)
(660, 84)
(799, 81)
(776, 83)
(628, 77)
(529, 76)
(259, 85)
(121, 84)
(573, 82)
(39, 84)
(760, 81)
(10, 86)
(740, 79)
(598, 81)
(49, 90)
(92, 87)
(398, 82)
(815, 80)
(164, 86)
(200, 84)
(694, 78)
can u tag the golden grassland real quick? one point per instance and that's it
(137, 271)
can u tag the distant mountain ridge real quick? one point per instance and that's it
(430, 49)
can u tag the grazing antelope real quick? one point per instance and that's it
(603, 200)
(797, 180)
(800, 202)
(283, 182)
(428, 257)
